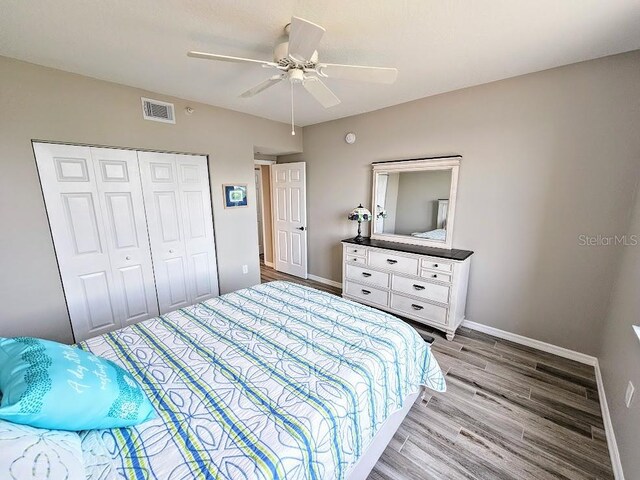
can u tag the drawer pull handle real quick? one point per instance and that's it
(355, 251)
(434, 276)
(418, 287)
(435, 265)
(391, 262)
(365, 274)
(366, 292)
(416, 307)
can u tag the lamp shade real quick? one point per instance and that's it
(360, 214)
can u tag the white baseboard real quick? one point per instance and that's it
(608, 427)
(530, 342)
(571, 355)
(326, 281)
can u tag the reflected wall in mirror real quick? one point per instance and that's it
(414, 201)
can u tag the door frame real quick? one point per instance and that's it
(269, 163)
(260, 208)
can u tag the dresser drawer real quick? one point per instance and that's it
(434, 264)
(433, 275)
(361, 251)
(368, 294)
(372, 277)
(396, 263)
(419, 309)
(420, 288)
(355, 259)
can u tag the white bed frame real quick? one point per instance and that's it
(362, 468)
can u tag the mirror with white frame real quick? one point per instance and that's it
(414, 201)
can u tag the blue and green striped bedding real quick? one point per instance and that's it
(273, 381)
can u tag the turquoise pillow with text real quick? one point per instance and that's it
(51, 385)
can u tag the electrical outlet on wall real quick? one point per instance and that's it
(628, 396)
(245, 269)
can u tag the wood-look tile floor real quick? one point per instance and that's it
(509, 412)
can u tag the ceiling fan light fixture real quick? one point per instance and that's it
(296, 75)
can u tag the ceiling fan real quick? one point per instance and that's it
(296, 59)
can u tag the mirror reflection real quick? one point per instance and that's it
(413, 203)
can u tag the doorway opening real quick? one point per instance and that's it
(262, 174)
(281, 214)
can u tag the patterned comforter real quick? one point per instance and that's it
(273, 381)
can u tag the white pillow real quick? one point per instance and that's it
(35, 453)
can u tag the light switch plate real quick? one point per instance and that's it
(245, 269)
(628, 396)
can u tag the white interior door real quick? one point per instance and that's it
(96, 217)
(288, 193)
(178, 206)
(258, 176)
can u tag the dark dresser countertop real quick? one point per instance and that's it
(452, 254)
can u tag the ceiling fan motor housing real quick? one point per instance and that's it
(281, 56)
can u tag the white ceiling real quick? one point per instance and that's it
(437, 45)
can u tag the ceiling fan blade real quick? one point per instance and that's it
(304, 38)
(358, 73)
(320, 92)
(269, 82)
(227, 58)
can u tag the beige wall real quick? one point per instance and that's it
(546, 157)
(41, 103)
(619, 355)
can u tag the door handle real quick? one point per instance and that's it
(301, 229)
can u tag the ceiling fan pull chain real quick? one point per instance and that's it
(293, 126)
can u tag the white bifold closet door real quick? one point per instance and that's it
(132, 230)
(178, 205)
(96, 213)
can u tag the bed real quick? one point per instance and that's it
(274, 381)
(440, 232)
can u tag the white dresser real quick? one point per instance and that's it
(428, 285)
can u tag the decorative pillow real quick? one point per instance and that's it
(38, 454)
(50, 385)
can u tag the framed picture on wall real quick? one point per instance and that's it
(235, 195)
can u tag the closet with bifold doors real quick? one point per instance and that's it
(132, 231)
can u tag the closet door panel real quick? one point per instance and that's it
(118, 184)
(177, 282)
(72, 200)
(195, 193)
(163, 207)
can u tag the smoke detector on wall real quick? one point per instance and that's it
(350, 138)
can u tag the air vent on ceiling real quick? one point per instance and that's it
(158, 111)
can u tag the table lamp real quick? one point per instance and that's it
(360, 214)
